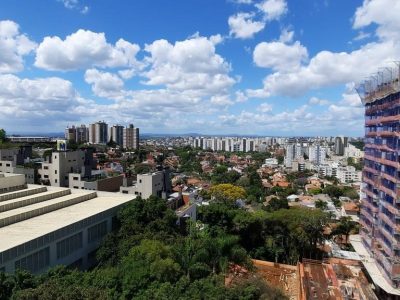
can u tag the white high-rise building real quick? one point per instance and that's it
(317, 154)
(98, 133)
(117, 134)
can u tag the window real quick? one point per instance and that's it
(96, 232)
(69, 245)
(55, 171)
(45, 167)
(124, 192)
(8, 165)
(55, 180)
(34, 262)
(1, 164)
(46, 176)
(75, 178)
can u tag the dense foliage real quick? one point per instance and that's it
(150, 257)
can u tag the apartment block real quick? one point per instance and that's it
(55, 171)
(146, 185)
(98, 133)
(380, 210)
(131, 137)
(116, 134)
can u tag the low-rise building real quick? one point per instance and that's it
(44, 226)
(156, 184)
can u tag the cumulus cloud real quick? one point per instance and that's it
(273, 9)
(104, 84)
(279, 56)
(328, 68)
(384, 13)
(84, 49)
(221, 100)
(243, 26)
(34, 101)
(13, 47)
(192, 64)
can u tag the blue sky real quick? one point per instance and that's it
(268, 67)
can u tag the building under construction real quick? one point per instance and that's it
(380, 210)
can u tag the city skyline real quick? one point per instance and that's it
(238, 66)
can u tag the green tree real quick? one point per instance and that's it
(345, 226)
(277, 203)
(322, 205)
(3, 135)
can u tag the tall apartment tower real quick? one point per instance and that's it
(380, 203)
(341, 142)
(98, 133)
(117, 134)
(78, 134)
(70, 133)
(131, 137)
(82, 134)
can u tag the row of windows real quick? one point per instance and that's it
(69, 245)
(96, 232)
(34, 262)
(53, 236)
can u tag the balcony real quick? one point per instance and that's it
(391, 208)
(384, 161)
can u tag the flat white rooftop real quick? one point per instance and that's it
(371, 266)
(24, 231)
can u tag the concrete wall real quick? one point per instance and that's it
(83, 253)
(11, 182)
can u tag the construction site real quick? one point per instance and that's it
(331, 279)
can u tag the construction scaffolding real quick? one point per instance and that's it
(379, 85)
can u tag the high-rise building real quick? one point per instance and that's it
(117, 134)
(131, 137)
(98, 133)
(380, 210)
(341, 142)
(317, 154)
(79, 134)
(82, 134)
(70, 133)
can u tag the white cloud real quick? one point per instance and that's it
(192, 64)
(85, 49)
(257, 93)
(221, 100)
(242, 25)
(286, 36)
(279, 56)
(265, 107)
(38, 102)
(240, 96)
(75, 5)
(13, 47)
(318, 101)
(104, 84)
(362, 35)
(384, 13)
(328, 68)
(273, 9)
